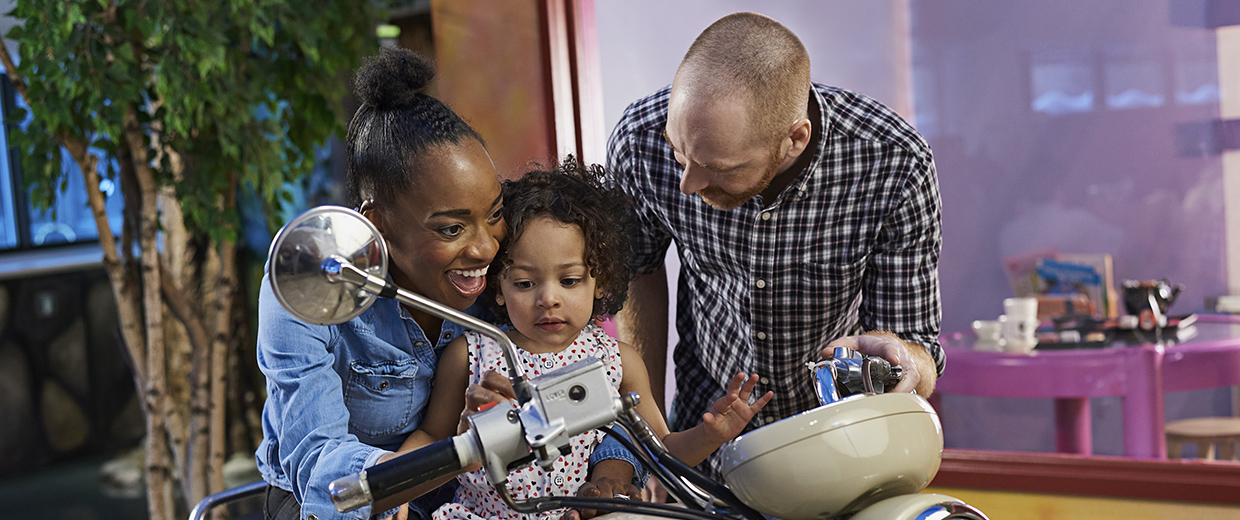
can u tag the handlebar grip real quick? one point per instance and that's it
(883, 374)
(381, 481)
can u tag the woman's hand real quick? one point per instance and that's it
(402, 513)
(729, 415)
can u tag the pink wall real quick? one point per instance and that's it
(1105, 180)
(1019, 170)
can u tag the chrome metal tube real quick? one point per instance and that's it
(348, 273)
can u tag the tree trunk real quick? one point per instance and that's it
(226, 256)
(174, 270)
(193, 468)
(159, 487)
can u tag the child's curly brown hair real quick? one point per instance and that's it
(572, 194)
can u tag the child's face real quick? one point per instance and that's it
(548, 290)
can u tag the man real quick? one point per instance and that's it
(806, 217)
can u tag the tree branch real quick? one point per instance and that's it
(181, 309)
(126, 296)
(19, 83)
(195, 462)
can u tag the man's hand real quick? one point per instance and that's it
(609, 478)
(915, 361)
(493, 388)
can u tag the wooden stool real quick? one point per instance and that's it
(1210, 434)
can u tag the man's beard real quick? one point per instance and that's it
(722, 200)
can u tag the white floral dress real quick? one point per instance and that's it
(476, 499)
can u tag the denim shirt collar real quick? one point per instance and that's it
(447, 332)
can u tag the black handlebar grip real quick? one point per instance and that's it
(385, 480)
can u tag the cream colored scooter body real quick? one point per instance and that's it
(837, 458)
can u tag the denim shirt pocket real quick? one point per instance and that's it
(380, 396)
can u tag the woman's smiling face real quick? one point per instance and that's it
(445, 230)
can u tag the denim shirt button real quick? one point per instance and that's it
(383, 385)
(311, 517)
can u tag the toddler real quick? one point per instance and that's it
(562, 266)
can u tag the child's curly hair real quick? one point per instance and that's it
(572, 194)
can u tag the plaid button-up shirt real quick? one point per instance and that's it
(850, 245)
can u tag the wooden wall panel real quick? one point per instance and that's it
(493, 70)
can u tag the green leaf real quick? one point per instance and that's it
(125, 51)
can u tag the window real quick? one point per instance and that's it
(70, 219)
(1062, 85)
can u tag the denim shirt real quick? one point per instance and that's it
(341, 396)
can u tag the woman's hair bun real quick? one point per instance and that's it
(392, 79)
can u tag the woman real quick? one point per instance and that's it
(342, 398)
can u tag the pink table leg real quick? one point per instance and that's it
(1073, 431)
(1144, 414)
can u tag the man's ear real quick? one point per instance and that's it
(367, 209)
(799, 134)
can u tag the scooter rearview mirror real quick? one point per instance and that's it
(297, 258)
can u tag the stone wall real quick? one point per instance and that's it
(66, 388)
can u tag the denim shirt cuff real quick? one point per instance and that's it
(373, 457)
(612, 449)
(371, 460)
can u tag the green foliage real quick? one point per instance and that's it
(243, 87)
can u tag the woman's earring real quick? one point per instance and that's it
(499, 300)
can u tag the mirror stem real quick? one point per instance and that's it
(338, 270)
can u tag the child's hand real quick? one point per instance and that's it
(492, 389)
(729, 415)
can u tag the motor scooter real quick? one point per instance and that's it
(863, 454)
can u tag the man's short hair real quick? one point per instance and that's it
(761, 58)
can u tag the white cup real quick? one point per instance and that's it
(1021, 308)
(989, 335)
(1020, 324)
(1019, 335)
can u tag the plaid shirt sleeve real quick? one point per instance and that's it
(625, 164)
(902, 283)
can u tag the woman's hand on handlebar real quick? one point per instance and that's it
(402, 513)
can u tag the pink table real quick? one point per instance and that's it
(1138, 374)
